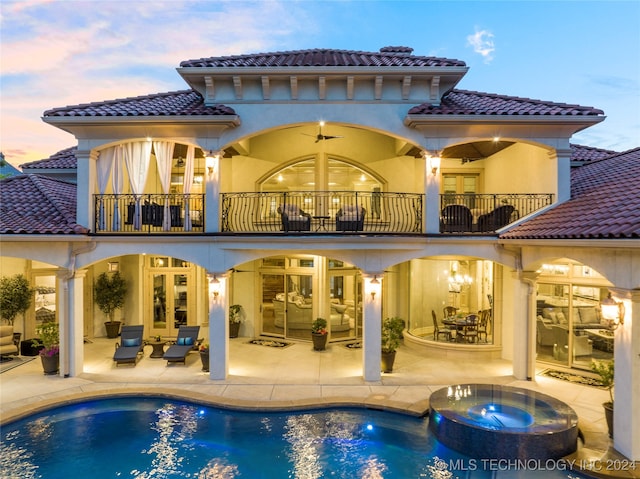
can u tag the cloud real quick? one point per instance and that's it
(482, 43)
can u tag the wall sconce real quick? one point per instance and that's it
(612, 311)
(211, 161)
(433, 163)
(114, 266)
(214, 287)
(374, 285)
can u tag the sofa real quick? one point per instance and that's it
(7, 344)
(584, 317)
(300, 314)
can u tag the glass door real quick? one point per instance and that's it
(345, 304)
(169, 293)
(299, 306)
(273, 304)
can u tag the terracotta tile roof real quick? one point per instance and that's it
(604, 204)
(387, 57)
(582, 155)
(463, 102)
(64, 159)
(177, 103)
(34, 204)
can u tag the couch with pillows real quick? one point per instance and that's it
(300, 313)
(584, 317)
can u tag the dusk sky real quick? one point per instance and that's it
(63, 52)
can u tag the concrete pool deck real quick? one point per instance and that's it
(298, 377)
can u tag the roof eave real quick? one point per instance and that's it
(415, 121)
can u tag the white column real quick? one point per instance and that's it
(64, 313)
(212, 193)
(529, 278)
(76, 323)
(626, 413)
(86, 187)
(563, 159)
(520, 328)
(431, 207)
(372, 329)
(218, 329)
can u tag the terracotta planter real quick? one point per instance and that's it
(204, 357)
(319, 341)
(608, 415)
(234, 330)
(386, 361)
(50, 364)
(113, 328)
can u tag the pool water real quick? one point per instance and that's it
(160, 438)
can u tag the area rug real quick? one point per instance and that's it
(15, 362)
(572, 378)
(355, 345)
(271, 343)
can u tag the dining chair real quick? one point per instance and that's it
(437, 331)
(470, 330)
(483, 324)
(449, 311)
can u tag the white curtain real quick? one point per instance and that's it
(137, 156)
(187, 181)
(164, 158)
(116, 185)
(103, 167)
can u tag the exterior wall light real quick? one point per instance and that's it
(374, 286)
(214, 287)
(612, 311)
(433, 163)
(211, 161)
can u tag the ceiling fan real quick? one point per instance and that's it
(320, 136)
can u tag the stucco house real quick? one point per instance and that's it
(347, 185)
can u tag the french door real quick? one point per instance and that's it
(170, 304)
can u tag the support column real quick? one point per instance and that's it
(432, 197)
(521, 334)
(218, 327)
(64, 323)
(212, 192)
(86, 184)
(563, 159)
(76, 320)
(626, 413)
(530, 279)
(372, 328)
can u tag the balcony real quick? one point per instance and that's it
(322, 212)
(149, 213)
(486, 213)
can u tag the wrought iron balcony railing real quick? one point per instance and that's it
(322, 212)
(149, 213)
(486, 213)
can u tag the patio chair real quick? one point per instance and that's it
(498, 218)
(438, 331)
(350, 218)
(131, 345)
(456, 219)
(185, 343)
(293, 218)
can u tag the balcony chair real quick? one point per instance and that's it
(438, 331)
(294, 219)
(498, 218)
(456, 219)
(350, 218)
(186, 342)
(131, 345)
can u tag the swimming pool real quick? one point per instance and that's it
(162, 438)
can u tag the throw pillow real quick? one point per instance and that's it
(131, 342)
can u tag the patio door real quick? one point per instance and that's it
(170, 306)
(287, 308)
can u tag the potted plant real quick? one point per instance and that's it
(390, 340)
(605, 369)
(319, 334)
(204, 356)
(15, 298)
(109, 292)
(235, 318)
(49, 345)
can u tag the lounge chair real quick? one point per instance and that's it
(498, 218)
(294, 219)
(350, 218)
(131, 345)
(186, 342)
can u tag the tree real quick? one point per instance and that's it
(109, 293)
(15, 296)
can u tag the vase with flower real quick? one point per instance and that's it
(319, 334)
(204, 356)
(49, 344)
